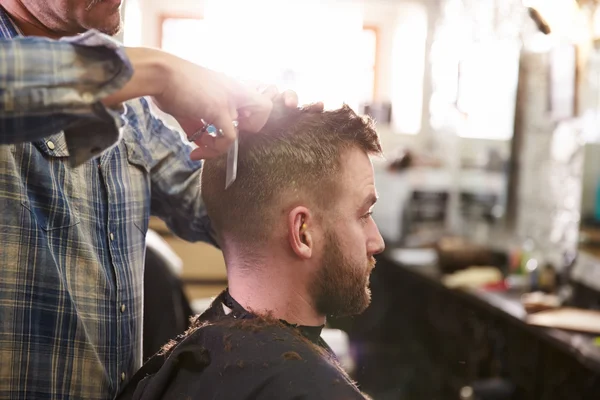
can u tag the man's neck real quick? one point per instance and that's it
(27, 23)
(265, 291)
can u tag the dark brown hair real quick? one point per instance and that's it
(297, 154)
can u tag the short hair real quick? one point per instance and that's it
(297, 153)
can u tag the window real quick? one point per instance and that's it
(368, 74)
(321, 52)
(408, 63)
(132, 34)
(490, 70)
(174, 30)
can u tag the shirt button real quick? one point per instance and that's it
(112, 237)
(122, 376)
(88, 97)
(50, 144)
(122, 308)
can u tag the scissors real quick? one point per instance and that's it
(232, 153)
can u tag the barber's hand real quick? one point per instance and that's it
(253, 116)
(288, 99)
(193, 93)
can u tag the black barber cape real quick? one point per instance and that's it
(229, 353)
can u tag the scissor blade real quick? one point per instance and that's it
(232, 158)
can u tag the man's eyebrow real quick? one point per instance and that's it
(370, 200)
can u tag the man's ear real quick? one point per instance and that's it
(301, 231)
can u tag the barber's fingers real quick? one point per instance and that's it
(287, 98)
(210, 146)
(224, 122)
(315, 107)
(253, 115)
(233, 112)
(203, 153)
(270, 92)
(290, 98)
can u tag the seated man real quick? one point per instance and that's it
(298, 241)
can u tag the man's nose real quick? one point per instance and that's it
(376, 244)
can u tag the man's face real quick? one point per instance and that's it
(76, 16)
(341, 284)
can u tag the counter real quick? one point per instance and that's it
(434, 340)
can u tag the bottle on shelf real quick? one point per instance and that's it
(547, 278)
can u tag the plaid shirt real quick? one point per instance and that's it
(72, 226)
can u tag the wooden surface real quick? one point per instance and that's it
(194, 292)
(204, 273)
(572, 319)
(589, 238)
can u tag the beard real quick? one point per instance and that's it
(109, 25)
(341, 286)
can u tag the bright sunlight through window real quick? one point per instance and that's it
(316, 49)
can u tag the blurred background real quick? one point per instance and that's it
(489, 115)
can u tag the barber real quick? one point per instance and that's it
(84, 162)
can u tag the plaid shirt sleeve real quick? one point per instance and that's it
(175, 178)
(60, 83)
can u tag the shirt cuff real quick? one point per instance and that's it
(92, 134)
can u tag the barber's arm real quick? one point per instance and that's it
(47, 86)
(77, 85)
(175, 175)
(175, 181)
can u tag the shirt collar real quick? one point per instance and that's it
(312, 333)
(8, 29)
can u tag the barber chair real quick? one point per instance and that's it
(166, 308)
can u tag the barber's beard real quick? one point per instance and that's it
(109, 25)
(340, 287)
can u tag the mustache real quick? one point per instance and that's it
(371, 265)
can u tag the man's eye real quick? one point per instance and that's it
(367, 215)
